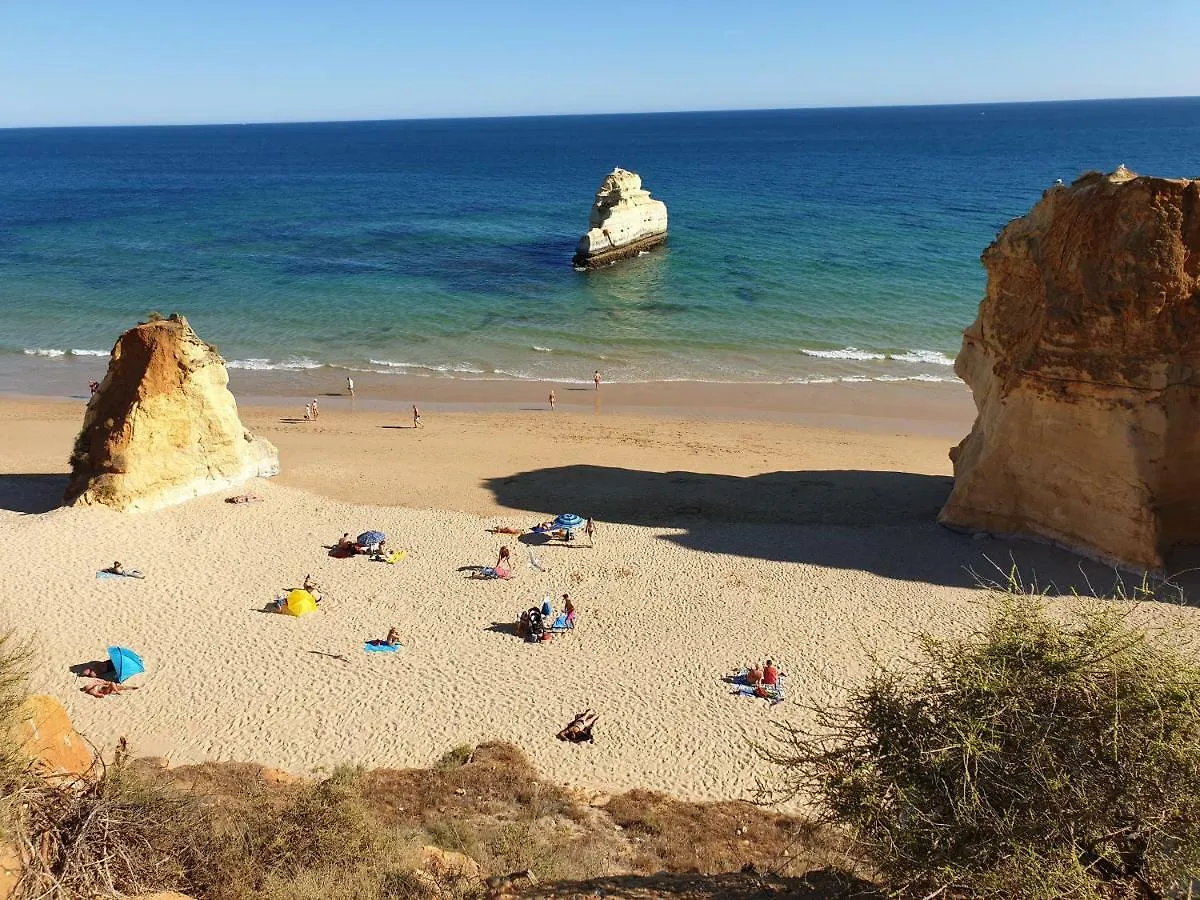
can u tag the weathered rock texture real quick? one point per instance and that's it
(624, 221)
(163, 427)
(1085, 366)
(45, 733)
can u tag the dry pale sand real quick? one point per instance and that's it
(720, 542)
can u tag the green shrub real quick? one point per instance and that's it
(1033, 759)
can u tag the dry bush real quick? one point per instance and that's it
(676, 836)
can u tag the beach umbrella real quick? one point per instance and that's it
(125, 663)
(568, 520)
(371, 538)
(300, 603)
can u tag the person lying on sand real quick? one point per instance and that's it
(101, 689)
(580, 729)
(244, 498)
(104, 670)
(117, 569)
(505, 529)
(312, 587)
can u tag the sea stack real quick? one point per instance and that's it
(1085, 366)
(624, 221)
(163, 427)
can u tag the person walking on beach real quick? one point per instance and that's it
(316, 412)
(350, 385)
(589, 529)
(416, 417)
(94, 386)
(596, 378)
(552, 399)
(307, 412)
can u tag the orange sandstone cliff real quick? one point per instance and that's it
(163, 426)
(1085, 366)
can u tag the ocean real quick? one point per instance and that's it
(805, 245)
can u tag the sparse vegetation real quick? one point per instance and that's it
(1033, 759)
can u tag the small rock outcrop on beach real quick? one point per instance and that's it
(1085, 366)
(163, 426)
(624, 221)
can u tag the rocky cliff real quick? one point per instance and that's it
(163, 426)
(1085, 366)
(624, 221)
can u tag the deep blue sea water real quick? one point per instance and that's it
(804, 245)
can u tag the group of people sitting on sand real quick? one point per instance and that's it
(538, 623)
(348, 546)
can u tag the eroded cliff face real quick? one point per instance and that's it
(1084, 365)
(624, 221)
(163, 426)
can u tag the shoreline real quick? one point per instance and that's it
(935, 409)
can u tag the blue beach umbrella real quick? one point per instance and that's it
(371, 538)
(569, 521)
(125, 663)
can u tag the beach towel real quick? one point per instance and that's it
(488, 572)
(106, 574)
(770, 692)
(395, 556)
(562, 623)
(380, 647)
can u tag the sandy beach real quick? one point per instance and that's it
(723, 539)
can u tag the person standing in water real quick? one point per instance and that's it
(552, 399)
(350, 385)
(416, 417)
(596, 378)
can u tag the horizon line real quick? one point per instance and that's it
(565, 115)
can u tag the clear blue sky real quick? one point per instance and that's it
(65, 62)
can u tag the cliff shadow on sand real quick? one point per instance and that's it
(871, 521)
(32, 494)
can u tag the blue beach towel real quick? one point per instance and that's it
(105, 574)
(381, 647)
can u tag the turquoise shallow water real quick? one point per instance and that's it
(805, 245)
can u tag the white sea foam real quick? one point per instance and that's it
(267, 365)
(75, 352)
(924, 356)
(461, 368)
(542, 349)
(41, 351)
(844, 353)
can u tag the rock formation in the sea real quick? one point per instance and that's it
(163, 426)
(1085, 366)
(624, 221)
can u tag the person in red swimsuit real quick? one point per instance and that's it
(770, 674)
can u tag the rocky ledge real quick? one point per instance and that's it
(624, 221)
(1085, 366)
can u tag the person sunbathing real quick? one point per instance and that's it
(244, 498)
(313, 588)
(580, 729)
(101, 689)
(393, 637)
(505, 529)
(754, 676)
(770, 674)
(117, 569)
(344, 543)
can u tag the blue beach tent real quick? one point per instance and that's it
(125, 663)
